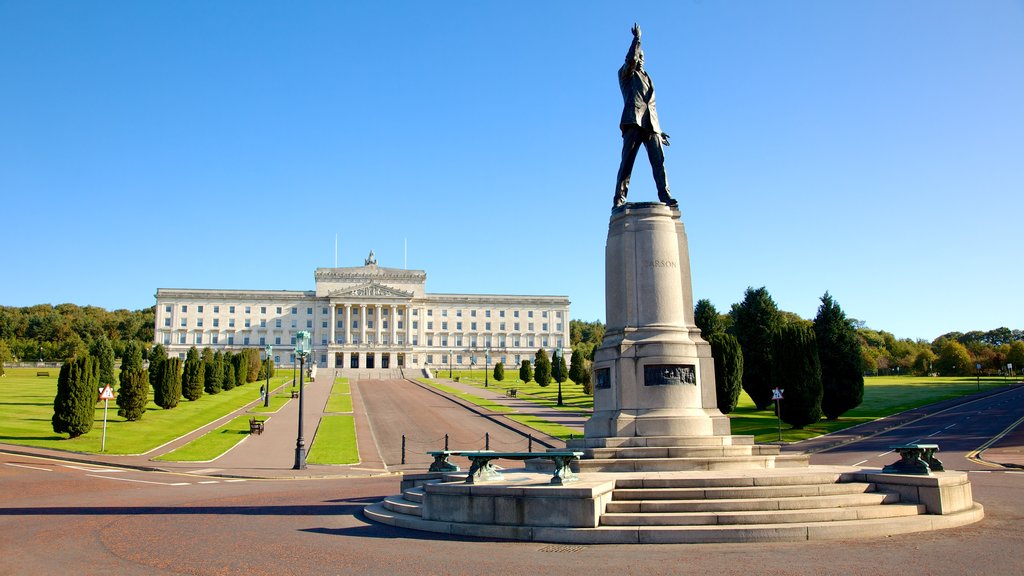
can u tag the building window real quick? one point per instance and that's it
(472, 313)
(309, 323)
(515, 343)
(430, 312)
(263, 323)
(501, 314)
(309, 311)
(415, 340)
(529, 314)
(324, 311)
(415, 312)
(487, 313)
(263, 309)
(231, 322)
(558, 314)
(248, 309)
(214, 339)
(248, 323)
(558, 327)
(544, 314)
(231, 340)
(384, 324)
(294, 310)
(199, 309)
(516, 326)
(444, 313)
(184, 308)
(501, 326)
(415, 324)
(167, 308)
(263, 341)
(430, 339)
(216, 322)
(529, 326)
(458, 340)
(245, 341)
(181, 338)
(472, 325)
(430, 359)
(277, 323)
(184, 322)
(323, 324)
(216, 309)
(199, 322)
(400, 325)
(167, 322)
(544, 327)
(341, 324)
(487, 326)
(430, 325)
(278, 309)
(369, 323)
(231, 309)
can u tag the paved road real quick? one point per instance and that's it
(58, 518)
(397, 407)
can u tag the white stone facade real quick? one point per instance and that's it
(367, 317)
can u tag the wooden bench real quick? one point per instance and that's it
(42, 373)
(482, 470)
(915, 459)
(256, 426)
(512, 393)
(295, 393)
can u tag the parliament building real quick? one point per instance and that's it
(367, 320)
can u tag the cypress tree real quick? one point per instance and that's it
(133, 392)
(707, 318)
(103, 352)
(842, 380)
(725, 349)
(193, 379)
(77, 393)
(241, 363)
(229, 374)
(157, 356)
(499, 372)
(754, 321)
(168, 393)
(211, 371)
(252, 358)
(542, 368)
(797, 370)
(525, 371)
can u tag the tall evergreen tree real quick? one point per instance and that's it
(707, 318)
(77, 393)
(241, 363)
(193, 378)
(499, 372)
(542, 368)
(754, 321)
(229, 373)
(133, 392)
(725, 349)
(211, 371)
(168, 393)
(579, 369)
(157, 356)
(252, 359)
(525, 371)
(797, 371)
(842, 379)
(103, 352)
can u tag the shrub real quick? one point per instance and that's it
(542, 368)
(499, 371)
(75, 403)
(525, 371)
(168, 393)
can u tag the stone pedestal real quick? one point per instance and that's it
(653, 373)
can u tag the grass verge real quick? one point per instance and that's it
(335, 441)
(211, 445)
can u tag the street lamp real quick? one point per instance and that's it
(487, 360)
(302, 341)
(558, 374)
(449, 364)
(266, 396)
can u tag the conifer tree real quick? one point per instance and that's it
(133, 392)
(707, 318)
(103, 352)
(525, 371)
(797, 371)
(241, 363)
(499, 372)
(229, 373)
(542, 368)
(754, 321)
(156, 357)
(193, 379)
(842, 379)
(211, 371)
(168, 393)
(252, 359)
(728, 369)
(77, 393)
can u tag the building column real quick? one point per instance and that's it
(377, 330)
(394, 324)
(348, 324)
(362, 324)
(334, 321)
(408, 325)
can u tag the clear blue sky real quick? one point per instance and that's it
(874, 149)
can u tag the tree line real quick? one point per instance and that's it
(54, 333)
(169, 378)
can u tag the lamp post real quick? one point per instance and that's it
(302, 340)
(449, 364)
(558, 374)
(266, 396)
(487, 361)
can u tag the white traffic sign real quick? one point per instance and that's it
(107, 393)
(777, 393)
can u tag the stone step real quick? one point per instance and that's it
(673, 452)
(657, 441)
(741, 492)
(736, 533)
(400, 505)
(677, 464)
(762, 517)
(413, 495)
(778, 478)
(753, 504)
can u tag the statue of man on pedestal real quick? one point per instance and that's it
(639, 124)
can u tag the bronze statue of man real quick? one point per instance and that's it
(639, 124)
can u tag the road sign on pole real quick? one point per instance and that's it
(777, 397)
(107, 394)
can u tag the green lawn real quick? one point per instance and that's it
(335, 441)
(26, 409)
(546, 426)
(276, 402)
(340, 399)
(212, 444)
(883, 396)
(341, 386)
(573, 398)
(471, 398)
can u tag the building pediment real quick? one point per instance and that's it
(370, 289)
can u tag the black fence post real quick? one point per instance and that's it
(445, 441)
(529, 445)
(487, 440)
(403, 448)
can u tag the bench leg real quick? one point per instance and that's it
(441, 464)
(482, 471)
(563, 473)
(910, 462)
